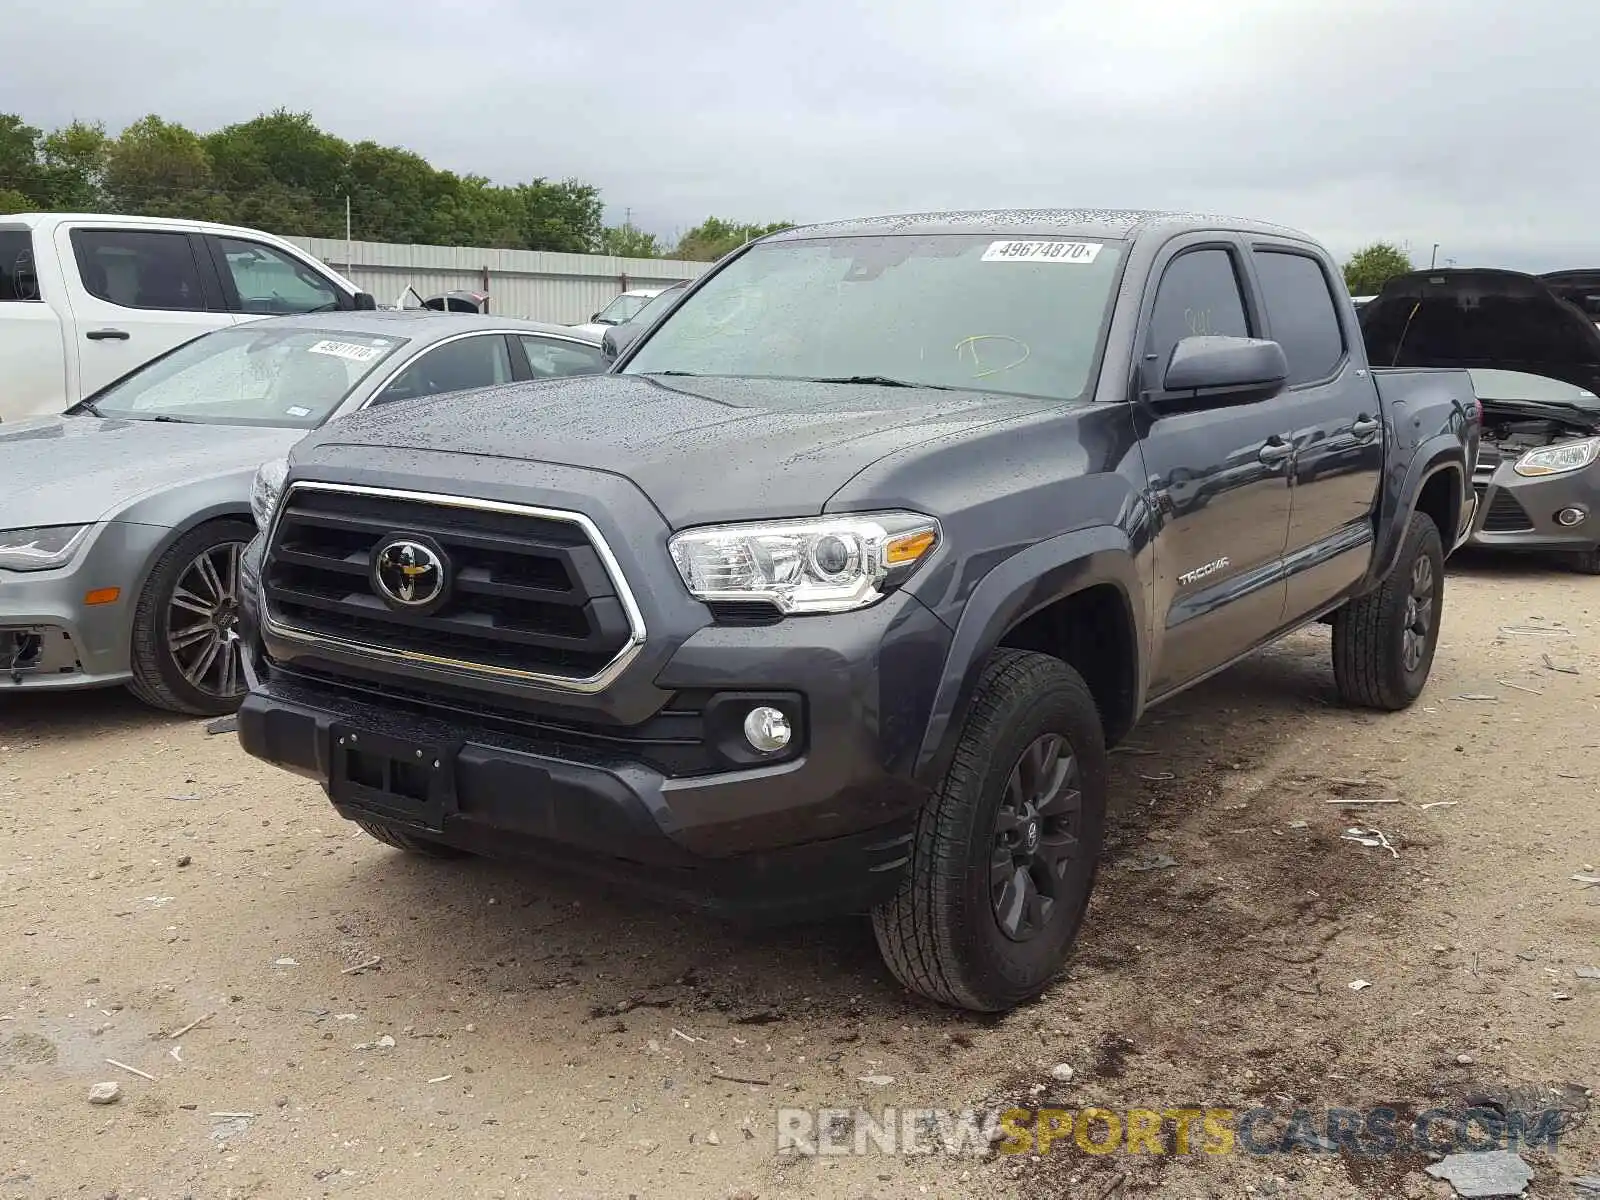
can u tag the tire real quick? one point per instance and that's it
(942, 933)
(411, 843)
(185, 611)
(1375, 663)
(1585, 562)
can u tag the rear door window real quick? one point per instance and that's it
(266, 280)
(471, 362)
(1198, 296)
(1301, 314)
(139, 268)
(19, 280)
(550, 358)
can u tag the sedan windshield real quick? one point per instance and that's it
(943, 311)
(249, 375)
(657, 305)
(623, 308)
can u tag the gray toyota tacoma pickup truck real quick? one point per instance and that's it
(833, 595)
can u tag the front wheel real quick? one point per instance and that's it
(1585, 562)
(187, 657)
(1383, 642)
(1006, 850)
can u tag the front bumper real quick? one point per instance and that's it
(826, 831)
(1519, 513)
(50, 638)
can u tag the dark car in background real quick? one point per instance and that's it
(1532, 348)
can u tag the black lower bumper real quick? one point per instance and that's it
(698, 841)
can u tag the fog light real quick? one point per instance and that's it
(1570, 517)
(767, 729)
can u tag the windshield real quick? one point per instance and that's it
(250, 375)
(1491, 384)
(623, 308)
(656, 305)
(953, 311)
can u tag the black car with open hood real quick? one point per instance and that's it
(1533, 349)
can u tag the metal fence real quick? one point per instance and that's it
(541, 286)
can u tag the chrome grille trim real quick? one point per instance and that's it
(597, 682)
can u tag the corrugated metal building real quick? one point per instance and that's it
(563, 288)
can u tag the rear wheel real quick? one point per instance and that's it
(1383, 642)
(186, 655)
(411, 843)
(1006, 850)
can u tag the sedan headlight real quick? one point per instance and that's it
(1558, 459)
(266, 489)
(40, 549)
(824, 565)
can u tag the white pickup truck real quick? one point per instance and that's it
(84, 299)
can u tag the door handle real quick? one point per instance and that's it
(107, 335)
(1275, 451)
(1364, 426)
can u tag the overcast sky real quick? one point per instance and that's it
(1465, 122)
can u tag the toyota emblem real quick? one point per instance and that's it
(409, 574)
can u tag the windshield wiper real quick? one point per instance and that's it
(881, 381)
(164, 419)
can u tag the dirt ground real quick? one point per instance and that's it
(534, 1036)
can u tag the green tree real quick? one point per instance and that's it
(158, 168)
(627, 242)
(1372, 266)
(714, 237)
(19, 159)
(281, 173)
(13, 201)
(568, 216)
(73, 167)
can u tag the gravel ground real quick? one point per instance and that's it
(522, 1035)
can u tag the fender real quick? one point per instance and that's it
(1437, 454)
(1010, 593)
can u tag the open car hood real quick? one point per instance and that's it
(1504, 320)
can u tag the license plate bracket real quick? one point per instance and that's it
(396, 778)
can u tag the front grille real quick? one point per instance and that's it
(531, 594)
(1505, 515)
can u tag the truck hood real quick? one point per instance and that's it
(702, 449)
(1479, 318)
(78, 469)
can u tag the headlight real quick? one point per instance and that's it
(825, 565)
(266, 489)
(1558, 459)
(40, 549)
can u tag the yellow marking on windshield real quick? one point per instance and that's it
(970, 344)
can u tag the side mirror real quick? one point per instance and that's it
(365, 302)
(617, 339)
(594, 318)
(1230, 364)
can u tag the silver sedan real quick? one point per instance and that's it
(122, 520)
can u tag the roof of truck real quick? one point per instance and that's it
(1124, 223)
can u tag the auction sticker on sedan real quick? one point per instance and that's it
(351, 350)
(1052, 251)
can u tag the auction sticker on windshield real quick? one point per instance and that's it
(1067, 252)
(350, 350)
